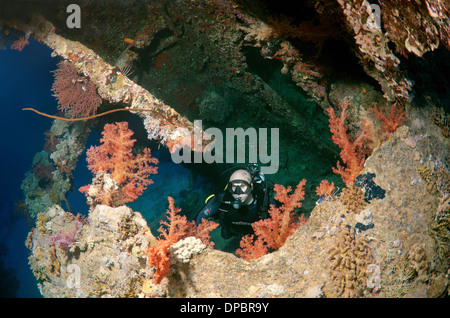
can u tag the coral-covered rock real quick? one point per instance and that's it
(71, 142)
(106, 260)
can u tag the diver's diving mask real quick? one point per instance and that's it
(239, 187)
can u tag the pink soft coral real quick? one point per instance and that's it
(66, 239)
(171, 231)
(272, 232)
(130, 173)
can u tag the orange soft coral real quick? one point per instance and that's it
(353, 150)
(115, 157)
(272, 232)
(171, 231)
(325, 188)
(251, 248)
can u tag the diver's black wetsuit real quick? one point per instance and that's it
(234, 222)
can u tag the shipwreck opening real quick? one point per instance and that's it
(191, 184)
(226, 87)
(204, 80)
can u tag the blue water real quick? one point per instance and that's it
(26, 80)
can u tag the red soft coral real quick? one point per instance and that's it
(390, 123)
(353, 150)
(272, 232)
(171, 231)
(115, 157)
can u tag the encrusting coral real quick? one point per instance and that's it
(128, 174)
(66, 239)
(375, 54)
(241, 278)
(416, 27)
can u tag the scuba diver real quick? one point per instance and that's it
(245, 200)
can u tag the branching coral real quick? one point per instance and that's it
(251, 248)
(259, 31)
(272, 232)
(114, 157)
(418, 260)
(437, 178)
(122, 90)
(401, 279)
(441, 118)
(20, 43)
(353, 150)
(441, 231)
(171, 231)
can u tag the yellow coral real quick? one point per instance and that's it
(348, 259)
(418, 259)
(353, 198)
(42, 218)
